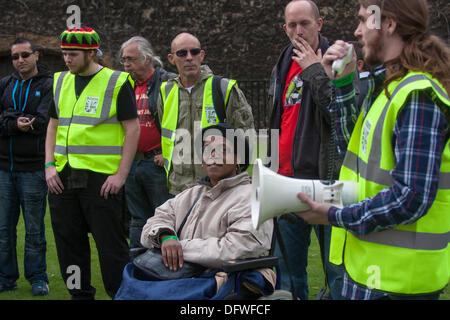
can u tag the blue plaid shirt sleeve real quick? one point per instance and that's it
(419, 139)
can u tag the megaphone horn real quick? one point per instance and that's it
(274, 194)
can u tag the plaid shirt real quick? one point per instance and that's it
(419, 138)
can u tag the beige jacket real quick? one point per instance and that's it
(239, 115)
(219, 227)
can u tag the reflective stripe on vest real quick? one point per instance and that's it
(423, 244)
(170, 99)
(89, 135)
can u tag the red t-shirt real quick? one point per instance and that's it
(292, 96)
(150, 137)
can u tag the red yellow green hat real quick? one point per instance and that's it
(83, 38)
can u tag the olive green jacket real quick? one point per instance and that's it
(238, 113)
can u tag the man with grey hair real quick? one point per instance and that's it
(146, 185)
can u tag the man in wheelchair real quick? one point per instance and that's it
(207, 225)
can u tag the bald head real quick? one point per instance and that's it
(187, 55)
(304, 4)
(183, 37)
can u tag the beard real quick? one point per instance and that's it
(83, 67)
(371, 50)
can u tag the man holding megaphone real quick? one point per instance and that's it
(394, 243)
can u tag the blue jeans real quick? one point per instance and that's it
(296, 234)
(26, 190)
(145, 189)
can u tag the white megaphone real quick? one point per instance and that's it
(274, 194)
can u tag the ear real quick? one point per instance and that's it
(284, 27)
(202, 55)
(320, 24)
(170, 58)
(390, 26)
(360, 65)
(92, 53)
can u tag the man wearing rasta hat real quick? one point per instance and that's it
(91, 141)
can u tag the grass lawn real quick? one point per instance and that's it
(58, 289)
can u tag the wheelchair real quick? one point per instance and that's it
(238, 286)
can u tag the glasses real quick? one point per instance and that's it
(127, 59)
(183, 52)
(24, 55)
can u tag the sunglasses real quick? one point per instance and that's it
(183, 52)
(24, 55)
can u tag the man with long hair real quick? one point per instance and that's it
(146, 185)
(394, 243)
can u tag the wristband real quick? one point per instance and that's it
(345, 81)
(168, 238)
(50, 164)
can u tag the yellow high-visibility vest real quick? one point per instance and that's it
(409, 259)
(89, 136)
(169, 94)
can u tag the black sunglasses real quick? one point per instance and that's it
(183, 52)
(24, 55)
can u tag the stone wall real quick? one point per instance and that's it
(242, 38)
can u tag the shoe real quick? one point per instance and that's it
(39, 288)
(4, 287)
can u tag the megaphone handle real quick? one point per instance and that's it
(333, 195)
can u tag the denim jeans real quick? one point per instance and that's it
(26, 191)
(145, 189)
(296, 235)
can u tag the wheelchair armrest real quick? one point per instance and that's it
(247, 264)
(134, 252)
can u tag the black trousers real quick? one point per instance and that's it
(74, 214)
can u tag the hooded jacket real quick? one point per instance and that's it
(312, 138)
(219, 227)
(24, 151)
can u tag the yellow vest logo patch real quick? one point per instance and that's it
(365, 136)
(91, 105)
(210, 114)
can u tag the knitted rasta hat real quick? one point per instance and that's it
(83, 38)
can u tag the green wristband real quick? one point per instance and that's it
(50, 164)
(168, 238)
(345, 81)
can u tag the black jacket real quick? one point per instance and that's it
(312, 138)
(24, 151)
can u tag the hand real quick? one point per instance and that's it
(54, 183)
(304, 54)
(112, 185)
(337, 51)
(24, 124)
(159, 160)
(318, 214)
(172, 254)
